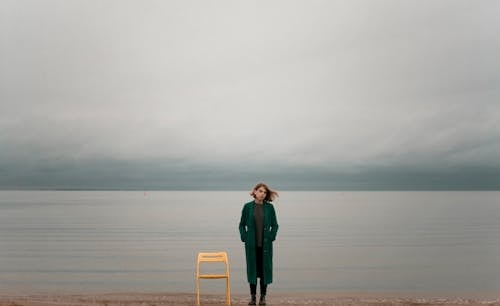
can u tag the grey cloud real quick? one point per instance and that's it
(340, 86)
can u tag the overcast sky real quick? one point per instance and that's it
(222, 94)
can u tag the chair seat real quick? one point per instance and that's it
(213, 276)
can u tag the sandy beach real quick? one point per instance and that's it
(277, 299)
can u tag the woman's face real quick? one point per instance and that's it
(260, 193)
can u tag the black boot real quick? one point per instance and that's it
(253, 301)
(262, 300)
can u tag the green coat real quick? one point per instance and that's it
(247, 233)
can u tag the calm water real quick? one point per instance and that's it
(74, 241)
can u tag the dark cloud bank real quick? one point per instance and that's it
(178, 175)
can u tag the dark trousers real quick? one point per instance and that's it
(260, 273)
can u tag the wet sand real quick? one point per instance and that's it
(276, 299)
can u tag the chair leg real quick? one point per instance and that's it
(198, 291)
(228, 292)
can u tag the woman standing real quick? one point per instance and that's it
(258, 229)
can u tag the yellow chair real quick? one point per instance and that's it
(213, 257)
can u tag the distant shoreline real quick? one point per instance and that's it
(244, 190)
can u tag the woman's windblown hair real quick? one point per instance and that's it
(271, 195)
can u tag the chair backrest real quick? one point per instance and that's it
(212, 257)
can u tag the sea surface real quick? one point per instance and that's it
(147, 241)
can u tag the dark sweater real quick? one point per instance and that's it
(258, 215)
